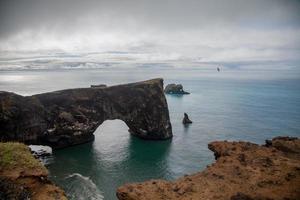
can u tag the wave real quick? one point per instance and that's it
(80, 187)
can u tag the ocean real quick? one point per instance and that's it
(234, 104)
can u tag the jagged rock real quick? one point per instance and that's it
(69, 117)
(175, 89)
(40, 151)
(186, 119)
(242, 171)
(288, 144)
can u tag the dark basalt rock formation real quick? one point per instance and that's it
(68, 117)
(186, 119)
(175, 89)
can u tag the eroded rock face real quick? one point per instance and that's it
(175, 89)
(186, 119)
(242, 171)
(68, 117)
(24, 177)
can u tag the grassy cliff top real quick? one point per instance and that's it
(17, 158)
(24, 177)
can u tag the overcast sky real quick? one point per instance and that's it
(212, 30)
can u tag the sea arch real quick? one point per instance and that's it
(68, 117)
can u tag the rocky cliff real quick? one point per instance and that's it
(242, 171)
(68, 117)
(24, 177)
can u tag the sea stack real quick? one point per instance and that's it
(186, 119)
(175, 89)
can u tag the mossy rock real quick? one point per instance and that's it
(17, 156)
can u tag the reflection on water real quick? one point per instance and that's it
(186, 127)
(146, 159)
(114, 158)
(13, 78)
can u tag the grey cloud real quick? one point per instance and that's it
(212, 29)
(66, 15)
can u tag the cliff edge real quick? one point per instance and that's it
(242, 171)
(24, 177)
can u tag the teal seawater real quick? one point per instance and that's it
(230, 105)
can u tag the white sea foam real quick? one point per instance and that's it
(41, 149)
(80, 187)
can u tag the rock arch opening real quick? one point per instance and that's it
(109, 130)
(111, 137)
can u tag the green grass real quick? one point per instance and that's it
(17, 155)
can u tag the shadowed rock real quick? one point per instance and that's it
(69, 117)
(186, 119)
(175, 89)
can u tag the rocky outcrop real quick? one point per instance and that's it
(24, 177)
(175, 89)
(40, 151)
(242, 171)
(186, 119)
(69, 117)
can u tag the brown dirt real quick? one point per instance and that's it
(24, 177)
(242, 171)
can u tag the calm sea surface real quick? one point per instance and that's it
(229, 105)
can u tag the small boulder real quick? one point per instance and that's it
(175, 89)
(186, 119)
(40, 150)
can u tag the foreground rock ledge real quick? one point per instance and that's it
(24, 177)
(242, 171)
(68, 117)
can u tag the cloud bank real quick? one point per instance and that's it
(206, 31)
